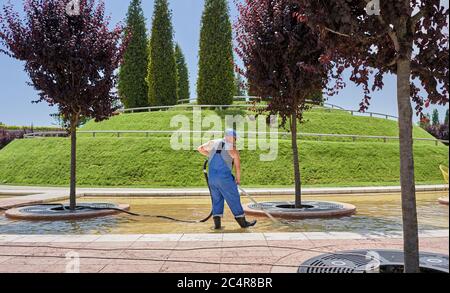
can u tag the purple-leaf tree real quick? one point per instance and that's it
(71, 56)
(408, 38)
(282, 63)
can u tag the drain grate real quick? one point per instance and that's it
(284, 206)
(361, 261)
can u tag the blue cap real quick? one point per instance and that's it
(231, 132)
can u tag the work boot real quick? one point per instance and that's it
(217, 223)
(243, 222)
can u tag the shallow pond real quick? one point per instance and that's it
(375, 213)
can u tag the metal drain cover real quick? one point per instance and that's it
(310, 209)
(58, 209)
(363, 261)
(312, 206)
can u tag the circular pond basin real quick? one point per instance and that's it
(61, 212)
(443, 200)
(309, 210)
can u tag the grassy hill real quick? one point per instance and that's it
(138, 161)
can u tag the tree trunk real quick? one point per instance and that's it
(407, 180)
(73, 162)
(297, 177)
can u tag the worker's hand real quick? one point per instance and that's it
(238, 181)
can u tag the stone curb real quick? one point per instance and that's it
(205, 237)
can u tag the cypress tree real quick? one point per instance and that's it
(132, 85)
(216, 83)
(435, 117)
(161, 79)
(239, 86)
(182, 75)
(446, 118)
(317, 98)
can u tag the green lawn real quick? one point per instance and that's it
(151, 162)
(138, 161)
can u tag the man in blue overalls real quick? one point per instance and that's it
(223, 155)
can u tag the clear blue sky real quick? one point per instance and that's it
(16, 96)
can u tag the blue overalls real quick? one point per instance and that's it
(222, 183)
